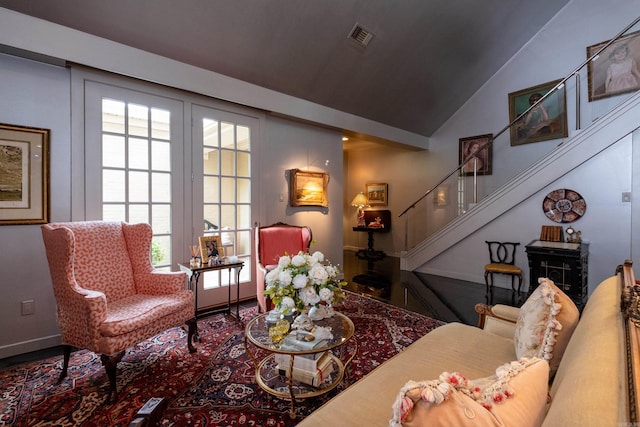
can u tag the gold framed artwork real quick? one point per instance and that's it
(377, 193)
(24, 175)
(210, 247)
(616, 70)
(547, 120)
(308, 188)
(476, 153)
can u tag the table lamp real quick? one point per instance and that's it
(360, 202)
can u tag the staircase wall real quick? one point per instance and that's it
(597, 162)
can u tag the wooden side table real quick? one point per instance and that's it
(194, 275)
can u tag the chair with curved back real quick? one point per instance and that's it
(109, 297)
(502, 256)
(274, 241)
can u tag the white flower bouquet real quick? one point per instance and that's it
(303, 281)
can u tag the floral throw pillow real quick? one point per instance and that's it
(545, 323)
(515, 396)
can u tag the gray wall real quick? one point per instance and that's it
(38, 95)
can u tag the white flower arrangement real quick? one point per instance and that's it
(303, 281)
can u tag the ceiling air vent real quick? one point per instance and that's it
(360, 35)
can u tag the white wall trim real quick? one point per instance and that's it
(30, 345)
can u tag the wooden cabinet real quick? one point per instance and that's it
(564, 263)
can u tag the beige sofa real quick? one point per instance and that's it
(591, 387)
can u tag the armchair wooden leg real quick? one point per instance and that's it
(193, 330)
(66, 351)
(110, 364)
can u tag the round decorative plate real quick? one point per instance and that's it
(564, 205)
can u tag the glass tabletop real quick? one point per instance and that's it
(257, 332)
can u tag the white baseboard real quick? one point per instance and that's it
(29, 346)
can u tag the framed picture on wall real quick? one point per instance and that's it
(476, 152)
(377, 193)
(547, 120)
(24, 175)
(616, 69)
(308, 188)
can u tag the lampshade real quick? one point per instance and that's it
(360, 200)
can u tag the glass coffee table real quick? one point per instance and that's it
(277, 380)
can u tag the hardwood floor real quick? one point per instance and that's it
(439, 297)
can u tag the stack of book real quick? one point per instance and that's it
(311, 369)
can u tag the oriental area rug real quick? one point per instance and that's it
(213, 387)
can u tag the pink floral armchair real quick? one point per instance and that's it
(274, 241)
(108, 295)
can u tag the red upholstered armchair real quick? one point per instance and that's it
(108, 295)
(273, 242)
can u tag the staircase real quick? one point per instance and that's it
(571, 154)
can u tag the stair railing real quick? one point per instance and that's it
(457, 171)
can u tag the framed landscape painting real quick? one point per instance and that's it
(308, 188)
(377, 193)
(24, 175)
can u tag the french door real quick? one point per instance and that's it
(134, 152)
(183, 166)
(222, 166)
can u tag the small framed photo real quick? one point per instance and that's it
(377, 193)
(616, 69)
(24, 175)
(210, 247)
(548, 120)
(476, 153)
(308, 188)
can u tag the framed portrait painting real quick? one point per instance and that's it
(616, 69)
(476, 154)
(547, 120)
(210, 247)
(377, 193)
(24, 175)
(308, 188)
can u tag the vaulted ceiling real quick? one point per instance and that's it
(424, 59)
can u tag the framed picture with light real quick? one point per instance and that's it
(308, 188)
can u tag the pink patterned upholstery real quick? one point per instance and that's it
(273, 242)
(108, 295)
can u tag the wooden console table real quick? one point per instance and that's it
(370, 253)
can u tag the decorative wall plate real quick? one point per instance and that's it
(564, 205)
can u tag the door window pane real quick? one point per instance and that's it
(138, 153)
(139, 213)
(138, 186)
(113, 185)
(113, 151)
(138, 120)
